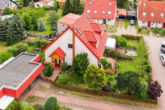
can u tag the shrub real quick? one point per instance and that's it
(24, 105)
(13, 50)
(48, 71)
(107, 88)
(65, 67)
(80, 64)
(121, 42)
(41, 27)
(15, 105)
(50, 104)
(38, 107)
(63, 79)
(143, 90)
(106, 64)
(128, 81)
(5, 56)
(7, 11)
(29, 108)
(95, 77)
(154, 89)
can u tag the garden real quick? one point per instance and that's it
(158, 31)
(50, 104)
(132, 76)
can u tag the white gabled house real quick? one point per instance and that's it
(151, 13)
(83, 36)
(42, 3)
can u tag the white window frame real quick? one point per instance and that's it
(95, 11)
(103, 12)
(144, 4)
(109, 12)
(144, 13)
(88, 11)
(110, 3)
(161, 15)
(152, 14)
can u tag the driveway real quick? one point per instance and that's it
(158, 72)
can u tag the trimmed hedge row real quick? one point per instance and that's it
(103, 93)
(131, 37)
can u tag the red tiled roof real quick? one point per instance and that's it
(45, 1)
(100, 6)
(84, 25)
(96, 27)
(122, 12)
(90, 37)
(59, 52)
(69, 19)
(156, 7)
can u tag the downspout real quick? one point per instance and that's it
(73, 40)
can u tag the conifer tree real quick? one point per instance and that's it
(67, 7)
(15, 31)
(77, 7)
(3, 30)
(41, 27)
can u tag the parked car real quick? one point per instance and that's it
(132, 22)
(162, 58)
(163, 47)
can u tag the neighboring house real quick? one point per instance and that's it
(102, 11)
(6, 17)
(151, 13)
(83, 36)
(42, 3)
(62, 2)
(16, 74)
(66, 21)
(7, 3)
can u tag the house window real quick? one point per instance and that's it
(109, 12)
(88, 11)
(90, 2)
(162, 15)
(110, 3)
(70, 46)
(95, 11)
(90, 18)
(152, 14)
(144, 13)
(103, 12)
(79, 30)
(144, 4)
(143, 22)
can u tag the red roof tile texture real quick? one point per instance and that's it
(122, 12)
(98, 6)
(156, 7)
(59, 52)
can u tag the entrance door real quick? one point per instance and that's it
(57, 63)
(163, 25)
(104, 21)
(149, 24)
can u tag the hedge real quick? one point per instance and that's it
(131, 37)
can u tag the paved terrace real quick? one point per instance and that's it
(14, 73)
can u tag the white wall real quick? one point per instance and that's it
(159, 25)
(11, 5)
(153, 24)
(38, 5)
(51, 3)
(142, 23)
(61, 27)
(80, 47)
(62, 42)
(111, 21)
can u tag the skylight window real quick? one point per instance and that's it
(90, 19)
(162, 15)
(88, 11)
(144, 4)
(95, 11)
(79, 30)
(152, 14)
(109, 12)
(90, 2)
(103, 12)
(144, 13)
(110, 3)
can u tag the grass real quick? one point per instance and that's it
(126, 24)
(31, 99)
(121, 23)
(3, 46)
(143, 31)
(125, 66)
(132, 43)
(114, 29)
(47, 25)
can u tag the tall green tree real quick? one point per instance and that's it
(3, 29)
(7, 11)
(122, 3)
(77, 7)
(53, 17)
(27, 21)
(15, 31)
(67, 7)
(95, 77)
(26, 2)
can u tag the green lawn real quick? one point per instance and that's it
(132, 43)
(121, 23)
(3, 46)
(143, 31)
(126, 24)
(125, 66)
(47, 25)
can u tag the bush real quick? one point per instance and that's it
(80, 64)
(107, 88)
(143, 90)
(95, 77)
(15, 105)
(65, 67)
(38, 107)
(63, 79)
(7, 11)
(41, 27)
(154, 90)
(131, 37)
(24, 105)
(48, 71)
(29, 108)
(50, 104)
(121, 42)
(5, 56)
(106, 64)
